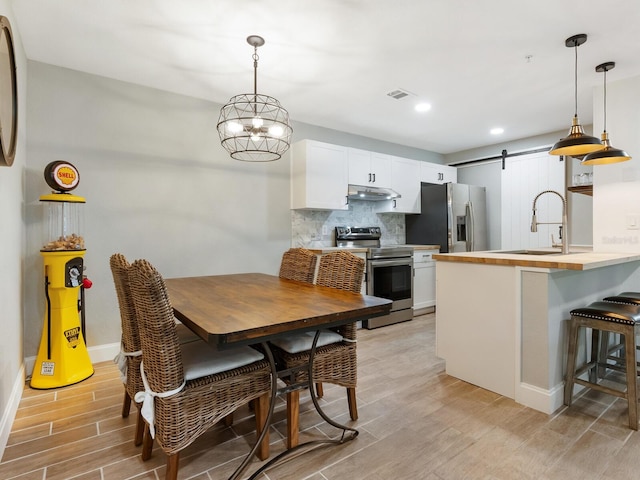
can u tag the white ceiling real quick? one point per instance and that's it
(331, 63)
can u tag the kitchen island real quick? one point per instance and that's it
(502, 317)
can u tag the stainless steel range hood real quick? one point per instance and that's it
(362, 192)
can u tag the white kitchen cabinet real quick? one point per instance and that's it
(369, 168)
(405, 174)
(424, 279)
(319, 176)
(434, 173)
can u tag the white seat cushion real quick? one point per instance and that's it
(199, 359)
(299, 342)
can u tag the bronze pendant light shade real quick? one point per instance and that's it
(577, 143)
(608, 154)
(254, 127)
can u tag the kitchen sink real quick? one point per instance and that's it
(532, 252)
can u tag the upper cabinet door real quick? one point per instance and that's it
(434, 173)
(405, 174)
(359, 166)
(369, 168)
(382, 170)
(319, 176)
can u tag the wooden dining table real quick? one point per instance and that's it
(254, 308)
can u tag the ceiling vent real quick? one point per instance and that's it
(399, 94)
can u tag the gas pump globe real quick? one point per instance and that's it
(63, 358)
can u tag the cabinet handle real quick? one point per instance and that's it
(369, 178)
(374, 178)
(394, 204)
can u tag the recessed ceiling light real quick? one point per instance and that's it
(423, 107)
(496, 131)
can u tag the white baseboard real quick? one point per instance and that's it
(103, 353)
(9, 413)
(97, 354)
(546, 401)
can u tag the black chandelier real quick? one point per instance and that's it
(254, 127)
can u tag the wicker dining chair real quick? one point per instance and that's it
(130, 355)
(188, 390)
(335, 360)
(298, 264)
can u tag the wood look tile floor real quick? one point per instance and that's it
(415, 422)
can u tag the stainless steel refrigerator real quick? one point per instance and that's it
(453, 216)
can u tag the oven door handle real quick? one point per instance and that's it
(392, 263)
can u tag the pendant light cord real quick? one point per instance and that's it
(605, 102)
(575, 81)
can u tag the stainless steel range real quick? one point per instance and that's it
(389, 272)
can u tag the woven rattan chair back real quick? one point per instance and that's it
(130, 337)
(298, 264)
(161, 352)
(342, 270)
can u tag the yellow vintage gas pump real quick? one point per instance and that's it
(63, 358)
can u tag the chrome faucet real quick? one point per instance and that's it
(564, 233)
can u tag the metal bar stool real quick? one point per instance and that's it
(605, 317)
(616, 351)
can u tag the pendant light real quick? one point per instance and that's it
(577, 142)
(608, 154)
(254, 127)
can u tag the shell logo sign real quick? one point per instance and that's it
(66, 176)
(61, 176)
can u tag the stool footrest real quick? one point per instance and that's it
(601, 388)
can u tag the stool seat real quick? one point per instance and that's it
(604, 318)
(632, 298)
(610, 312)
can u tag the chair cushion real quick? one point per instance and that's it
(632, 298)
(199, 359)
(610, 312)
(299, 342)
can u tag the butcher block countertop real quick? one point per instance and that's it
(580, 258)
(321, 250)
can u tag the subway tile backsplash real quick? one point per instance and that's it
(316, 228)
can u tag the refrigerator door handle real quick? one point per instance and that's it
(470, 228)
(450, 227)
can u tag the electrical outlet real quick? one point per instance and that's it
(325, 230)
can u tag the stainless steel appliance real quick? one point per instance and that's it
(453, 216)
(389, 272)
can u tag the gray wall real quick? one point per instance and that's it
(511, 147)
(158, 185)
(12, 195)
